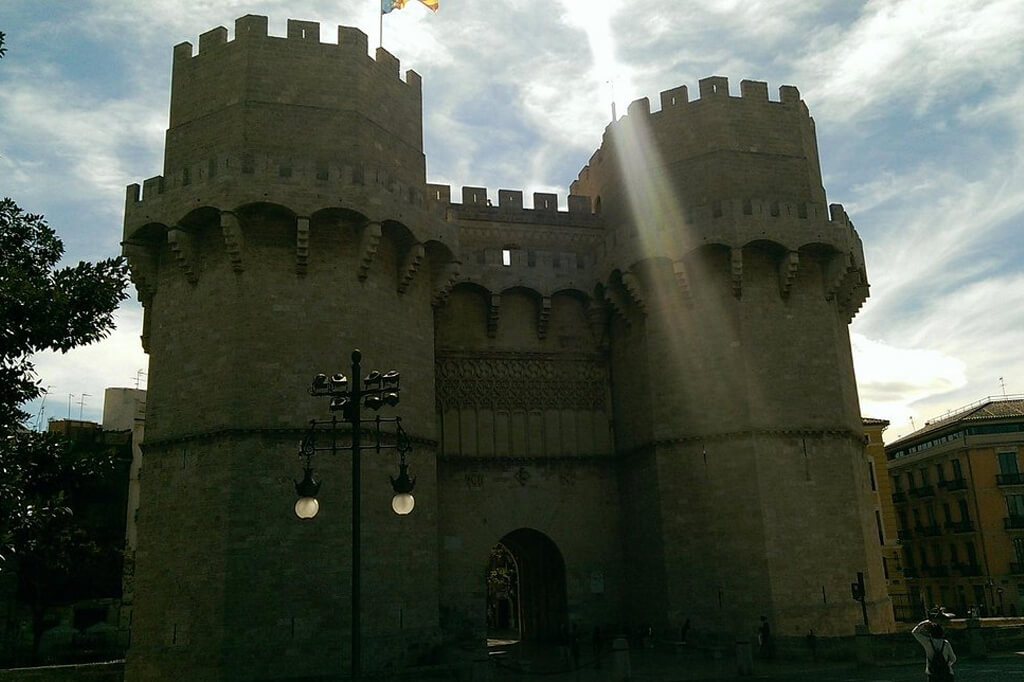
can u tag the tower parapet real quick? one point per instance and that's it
(295, 100)
(721, 171)
(718, 146)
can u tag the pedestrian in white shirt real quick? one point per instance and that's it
(939, 656)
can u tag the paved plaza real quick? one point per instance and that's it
(659, 666)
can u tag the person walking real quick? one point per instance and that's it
(939, 655)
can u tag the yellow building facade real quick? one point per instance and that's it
(905, 608)
(958, 495)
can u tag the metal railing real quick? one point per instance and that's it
(1013, 522)
(965, 526)
(1014, 478)
(923, 491)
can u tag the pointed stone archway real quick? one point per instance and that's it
(526, 586)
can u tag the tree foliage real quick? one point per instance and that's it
(42, 307)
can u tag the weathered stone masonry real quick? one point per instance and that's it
(657, 380)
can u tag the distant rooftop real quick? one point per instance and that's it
(987, 409)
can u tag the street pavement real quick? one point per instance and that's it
(510, 665)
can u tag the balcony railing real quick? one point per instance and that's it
(967, 569)
(905, 535)
(1016, 567)
(1016, 478)
(938, 571)
(909, 572)
(954, 484)
(1014, 522)
(923, 491)
(965, 526)
(933, 529)
(899, 496)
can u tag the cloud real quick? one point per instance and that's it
(914, 55)
(90, 369)
(917, 105)
(890, 379)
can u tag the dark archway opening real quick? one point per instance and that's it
(526, 598)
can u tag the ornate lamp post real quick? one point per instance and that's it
(349, 397)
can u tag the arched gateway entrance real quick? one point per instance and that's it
(526, 587)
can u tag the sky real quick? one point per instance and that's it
(918, 104)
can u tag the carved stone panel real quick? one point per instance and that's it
(520, 382)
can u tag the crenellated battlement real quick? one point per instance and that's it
(717, 144)
(510, 209)
(716, 88)
(252, 30)
(232, 180)
(295, 99)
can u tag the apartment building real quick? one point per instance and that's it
(958, 495)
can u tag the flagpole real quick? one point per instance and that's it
(380, 35)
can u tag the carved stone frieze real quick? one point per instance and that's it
(520, 382)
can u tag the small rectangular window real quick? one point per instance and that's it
(1015, 505)
(506, 257)
(1007, 462)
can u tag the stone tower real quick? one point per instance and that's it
(639, 398)
(287, 229)
(736, 406)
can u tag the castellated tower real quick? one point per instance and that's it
(287, 229)
(644, 404)
(736, 410)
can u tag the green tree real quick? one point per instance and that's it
(44, 307)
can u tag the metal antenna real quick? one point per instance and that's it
(1003, 385)
(42, 408)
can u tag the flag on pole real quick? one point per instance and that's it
(387, 6)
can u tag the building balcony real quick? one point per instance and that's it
(937, 571)
(953, 485)
(1013, 523)
(1017, 567)
(967, 570)
(928, 531)
(965, 526)
(909, 573)
(905, 535)
(923, 491)
(1016, 478)
(899, 496)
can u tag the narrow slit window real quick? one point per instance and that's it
(506, 257)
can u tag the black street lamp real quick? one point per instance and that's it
(372, 392)
(859, 593)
